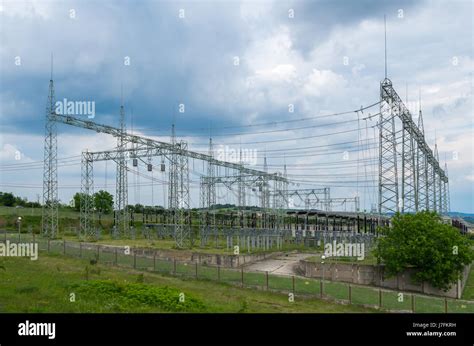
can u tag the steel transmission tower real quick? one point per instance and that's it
(421, 169)
(50, 172)
(241, 184)
(178, 193)
(439, 186)
(421, 176)
(87, 195)
(409, 193)
(265, 195)
(211, 173)
(173, 177)
(421, 188)
(285, 187)
(208, 198)
(122, 223)
(446, 202)
(388, 173)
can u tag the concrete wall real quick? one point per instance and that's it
(375, 275)
(228, 261)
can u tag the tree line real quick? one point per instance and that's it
(8, 199)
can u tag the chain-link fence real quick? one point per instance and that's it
(306, 288)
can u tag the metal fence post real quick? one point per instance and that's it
(445, 304)
(242, 276)
(293, 283)
(380, 298)
(64, 247)
(218, 273)
(154, 261)
(116, 257)
(49, 244)
(174, 266)
(413, 302)
(134, 259)
(98, 253)
(196, 270)
(321, 286)
(80, 250)
(350, 294)
(266, 279)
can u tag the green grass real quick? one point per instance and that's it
(280, 283)
(255, 279)
(429, 304)
(468, 292)
(362, 295)
(365, 295)
(307, 286)
(396, 300)
(45, 285)
(336, 290)
(122, 297)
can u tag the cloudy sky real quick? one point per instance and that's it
(259, 75)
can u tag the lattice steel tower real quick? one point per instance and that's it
(388, 173)
(50, 172)
(122, 217)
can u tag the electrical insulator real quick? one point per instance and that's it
(135, 162)
(162, 167)
(149, 167)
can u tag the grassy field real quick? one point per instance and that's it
(105, 282)
(46, 285)
(468, 292)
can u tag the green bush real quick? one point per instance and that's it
(437, 250)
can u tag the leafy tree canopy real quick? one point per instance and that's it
(422, 241)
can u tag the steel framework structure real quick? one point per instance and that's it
(177, 153)
(410, 177)
(50, 171)
(411, 180)
(319, 196)
(121, 200)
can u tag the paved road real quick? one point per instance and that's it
(281, 265)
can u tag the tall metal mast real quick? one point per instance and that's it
(50, 172)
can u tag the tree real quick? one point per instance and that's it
(7, 199)
(103, 202)
(138, 208)
(437, 250)
(21, 201)
(78, 199)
